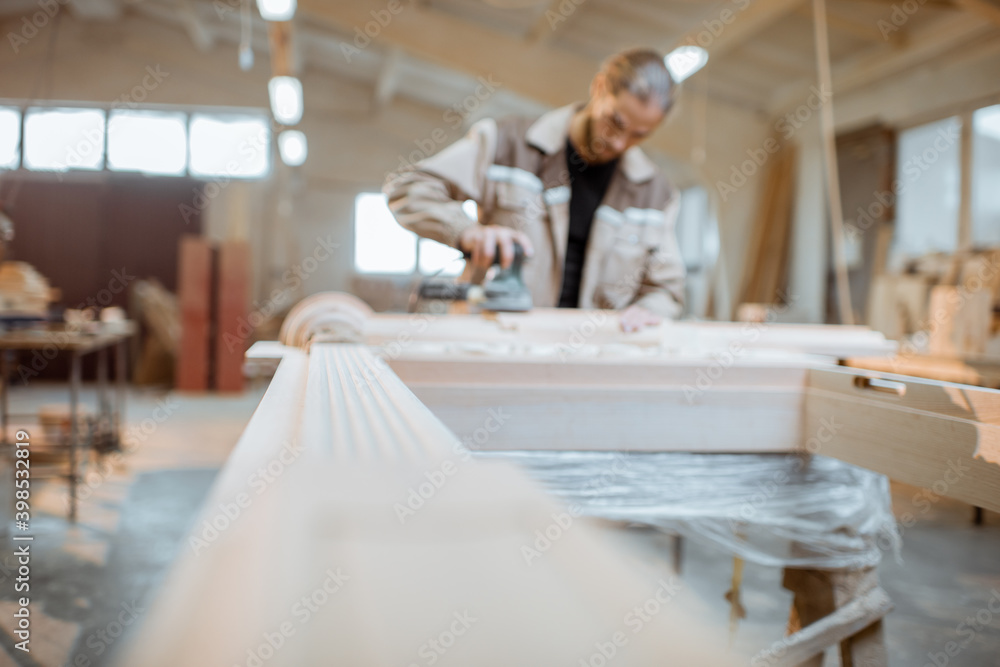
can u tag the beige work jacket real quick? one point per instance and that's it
(515, 170)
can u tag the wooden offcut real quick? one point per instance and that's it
(232, 315)
(766, 270)
(194, 288)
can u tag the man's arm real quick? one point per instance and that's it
(662, 288)
(428, 199)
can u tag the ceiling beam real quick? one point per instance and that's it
(201, 36)
(725, 30)
(388, 78)
(879, 62)
(549, 75)
(865, 31)
(100, 10)
(981, 8)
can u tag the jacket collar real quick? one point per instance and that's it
(549, 132)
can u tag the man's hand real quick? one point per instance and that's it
(636, 317)
(481, 242)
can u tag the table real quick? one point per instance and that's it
(78, 342)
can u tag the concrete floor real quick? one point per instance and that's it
(137, 512)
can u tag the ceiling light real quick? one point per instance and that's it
(276, 10)
(685, 61)
(286, 99)
(293, 147)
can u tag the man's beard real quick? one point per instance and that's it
(589, 136)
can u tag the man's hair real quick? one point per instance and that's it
(642, 73)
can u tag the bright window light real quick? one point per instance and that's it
(276, 10)
(929, 173)
(380, 244)
(64, 139)
(986, 121)
(470, 208)
(151, 142)
(438, 259)
(293, 147)
(986, 176)
(685, 61)
(229, 145)
(286, 99)
(10, 137)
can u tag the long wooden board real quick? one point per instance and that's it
(378, 541)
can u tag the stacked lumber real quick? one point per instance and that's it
(765, 276)
(214, 295)
(952, 299)
(232, 325)
(194, 291)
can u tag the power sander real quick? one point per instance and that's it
(506, 292)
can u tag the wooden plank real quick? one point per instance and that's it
(194, 285)
(964, 241)
(845, 310)
(579, 329)
(546, 418)
(750, 370)
(752, 403)
(327, 528)
(941, 436)
(232, 326)
(980, 372)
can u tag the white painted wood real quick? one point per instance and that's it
(337, 532)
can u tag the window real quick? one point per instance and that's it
(10, 138)
(381, 245)
(986, 176)
(148, 141)
(64, 139)
(927, 167)
(692, 220)
(151, 142)
(232, 146)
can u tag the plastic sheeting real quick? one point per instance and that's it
(773, 509)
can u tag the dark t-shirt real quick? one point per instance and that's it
(588, 183)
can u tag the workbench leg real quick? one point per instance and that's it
(103, 441)
(818, 593)
(812, 599)
(866, 648)
(120, 379)
(74, 431)
(4, 386)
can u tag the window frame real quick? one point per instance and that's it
(23, 106)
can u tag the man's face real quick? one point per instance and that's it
(618, 122)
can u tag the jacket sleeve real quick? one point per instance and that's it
(428, 198)
(662, 287)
